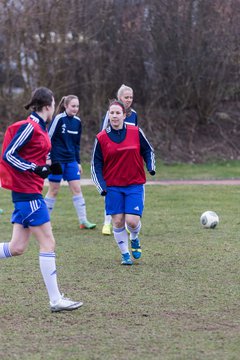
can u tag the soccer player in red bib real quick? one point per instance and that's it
(23, 169)
(125, 95)
(117, 167)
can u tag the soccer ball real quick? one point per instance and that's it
(209, 219)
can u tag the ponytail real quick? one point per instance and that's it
(41, 97)
(60, 108)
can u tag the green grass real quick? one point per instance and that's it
(181, 301)
(217, 170)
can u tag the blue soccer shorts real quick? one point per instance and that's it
(70, 172)
(125, 200)
(30, 213)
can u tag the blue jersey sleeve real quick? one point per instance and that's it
(147, 153)
(55, 124)
(11, 154)
(136, 119)
(53, 130)
(77, 147)
(97, 168)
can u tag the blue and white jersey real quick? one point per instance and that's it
(131, 119)
(65, 134)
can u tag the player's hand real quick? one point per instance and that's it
(104, 193)
(56, 169)
(152, 172)
(42, 171)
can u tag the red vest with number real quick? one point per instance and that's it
(123, 163)
(34, 151)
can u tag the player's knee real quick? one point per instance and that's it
(54, 193)
(53, 189)
(118, 224)
(17, 249)
(76, 190)
(132, 223)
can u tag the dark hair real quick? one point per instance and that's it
(65, 100)
(117, 102)
(41, 97)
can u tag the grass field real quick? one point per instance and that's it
(181, 301)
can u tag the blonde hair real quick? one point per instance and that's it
(122, 89)
(65, 100)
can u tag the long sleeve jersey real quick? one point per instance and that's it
(118, 137)
(65, 133)
(131, 119)
(25, 146)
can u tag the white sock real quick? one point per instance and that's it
(134, 231)
(121, 237)
(50, 202)
(79, 204)
(107, 219)
(49, 273)
(4, 251)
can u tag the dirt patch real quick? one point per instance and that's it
(172, 182)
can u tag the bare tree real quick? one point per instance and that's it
(180, 56)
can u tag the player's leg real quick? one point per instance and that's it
(20, 234)
(53, 189)
(42, 230)
(79, 204)
(133, 224)
(44, 236)
(134, 205)
(47, 262)
(18, 244)
(107, 226)
(114, 206)
(72, 175)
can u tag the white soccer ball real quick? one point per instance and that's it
(209, 219)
